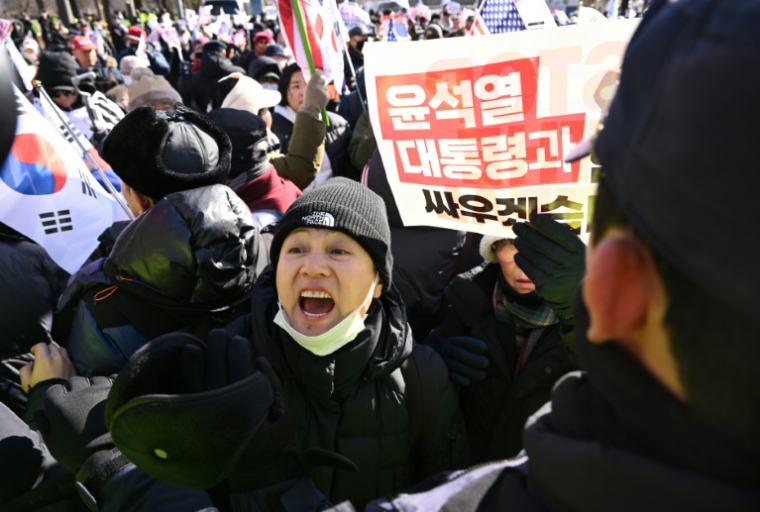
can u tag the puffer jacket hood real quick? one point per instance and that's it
(197, 248)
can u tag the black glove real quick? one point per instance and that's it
(553, 257)
(466, 359)
(176, 394)
(72, 421)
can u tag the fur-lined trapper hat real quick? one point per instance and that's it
(158, 153)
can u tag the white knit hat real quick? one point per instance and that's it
(249, 95)
(130, 62)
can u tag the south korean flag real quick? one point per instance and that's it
(49, 195)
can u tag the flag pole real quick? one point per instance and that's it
(477, 16)
(90, 160)
(306, 46)
(353, 73)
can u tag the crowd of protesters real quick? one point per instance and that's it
(266, 334)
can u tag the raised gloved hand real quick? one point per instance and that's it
(175, 395)
(316, 96)
(553, 257)
(466, 359)
(72, 421)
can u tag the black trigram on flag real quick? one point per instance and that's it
(86, 188)
(65, 133)
(52, 222)
(20, 107)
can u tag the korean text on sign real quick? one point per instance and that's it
(476, 127)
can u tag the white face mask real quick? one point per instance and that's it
(339, 336)
(269, 86)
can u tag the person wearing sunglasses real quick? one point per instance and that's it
(56, 71)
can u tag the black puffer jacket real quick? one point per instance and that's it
(214, 66)
(30, 283)
(366, 401)
(497, 407)
(188, 263)
(337, 137)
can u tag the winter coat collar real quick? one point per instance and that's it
(269, 192)
(286, 112)
(378, 350)
(618, 431)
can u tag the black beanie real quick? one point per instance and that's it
(158, 153)
(248, 135)
(678, 148)
(347, 206)
(56, 69)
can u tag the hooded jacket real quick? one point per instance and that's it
(497, 407)
(214, 66)
(188, 263)
(356, 402)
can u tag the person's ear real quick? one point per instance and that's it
(378, 291)
(615, 289)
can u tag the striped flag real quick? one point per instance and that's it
(239, 39)
(320, 25)
(399, 23)
(497, 17)
(391, 32)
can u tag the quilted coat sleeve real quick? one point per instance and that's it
(304, 154)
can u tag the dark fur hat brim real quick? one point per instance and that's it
(135, 146)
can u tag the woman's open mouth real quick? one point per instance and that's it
(316, 304)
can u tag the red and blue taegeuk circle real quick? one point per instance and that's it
(33, 167)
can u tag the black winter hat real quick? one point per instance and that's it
(678, 149)
(347, 206)
(56, 69)
(264, 67)
(158, 153)
(214, 47)
(248, 135)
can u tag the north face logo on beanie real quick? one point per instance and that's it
(320, 219)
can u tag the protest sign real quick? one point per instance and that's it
(472, 132)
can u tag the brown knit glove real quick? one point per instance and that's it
(316, 95)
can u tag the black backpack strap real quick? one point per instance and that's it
(418, 379)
